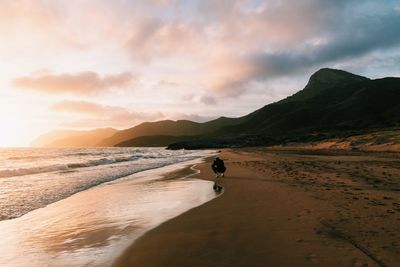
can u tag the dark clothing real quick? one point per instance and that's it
(218, 166)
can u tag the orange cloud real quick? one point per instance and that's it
(103, 115)
(83, 107)
(228, 76)
(82, 83)
(38, 23)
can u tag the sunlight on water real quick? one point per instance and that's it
(31, 178)
(93, 227)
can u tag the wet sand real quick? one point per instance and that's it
(93, 227)
(286, 208)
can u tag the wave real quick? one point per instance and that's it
(63, 176)
(46, 156)
(63, 167)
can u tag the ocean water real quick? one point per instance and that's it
(84, 207)
(31, 178)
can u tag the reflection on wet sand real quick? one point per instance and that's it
(93, 227)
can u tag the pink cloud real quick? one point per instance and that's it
(220, 42)
(152, 39)
(38, 23)
(82, 83)
(83, 107)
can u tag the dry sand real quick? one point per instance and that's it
(286, 208)
(379, 141)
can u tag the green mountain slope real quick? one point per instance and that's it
(166, 128)
(334, 102)
(155, 141)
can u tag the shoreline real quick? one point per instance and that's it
(94, 226)
(46, 181)
(278, 211)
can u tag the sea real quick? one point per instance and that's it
(84, 206)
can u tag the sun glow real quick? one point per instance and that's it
(81, 65)
(10, 133)
(14, 131)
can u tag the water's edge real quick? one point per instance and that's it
(22, 194)
(93, 227)
(197, 171)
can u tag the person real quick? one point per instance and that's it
(218, 167)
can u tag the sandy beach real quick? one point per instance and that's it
(286, 208)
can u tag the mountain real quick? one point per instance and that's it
(166, 128)
(154, 141)
(332, 100)
(333, 103)
(76, 138)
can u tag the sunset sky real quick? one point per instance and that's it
(97, 63)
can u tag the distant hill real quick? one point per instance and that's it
(333, 103)
(76, 138)
(167, 128)
(155, 141)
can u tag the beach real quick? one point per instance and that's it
(94, 226)
(285, 208)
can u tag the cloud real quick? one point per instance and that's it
(39, 23)
(84, 107)
(353, 41)
(168, 83)
(152, 38)
(230, 44)
(103, 115)
(208, 100)
(81, 83)
(227, 76)
(268, 24)
(303, 36)
(204, 99)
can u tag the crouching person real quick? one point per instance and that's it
(218, 167)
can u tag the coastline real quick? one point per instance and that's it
(92, 227)
(281, 209)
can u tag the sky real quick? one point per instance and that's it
(73, 64)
